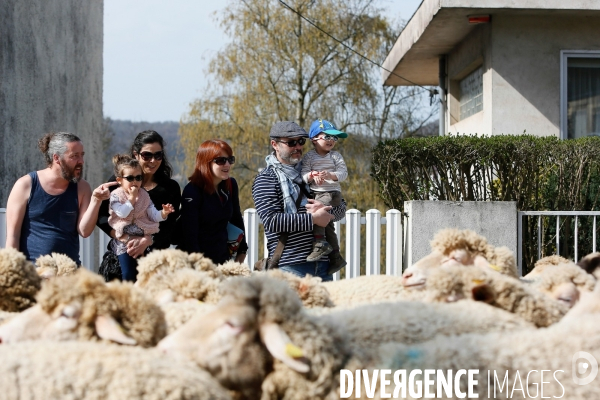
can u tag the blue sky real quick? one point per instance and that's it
(156, 53)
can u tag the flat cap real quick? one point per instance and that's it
(287, 129)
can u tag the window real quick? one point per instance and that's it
(471, 93)
(580, 94)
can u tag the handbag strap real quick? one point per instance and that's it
(274, 262)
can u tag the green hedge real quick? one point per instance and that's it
(539, 173)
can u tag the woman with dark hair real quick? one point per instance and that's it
(211, 202)
(149, 149)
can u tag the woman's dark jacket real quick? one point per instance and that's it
(204, 219)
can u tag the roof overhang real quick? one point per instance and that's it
(439, 25)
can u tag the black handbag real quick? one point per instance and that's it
(110, 268)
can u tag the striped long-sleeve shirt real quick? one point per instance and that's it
(268, 199)
(332, 162)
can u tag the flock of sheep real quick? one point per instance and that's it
(189, 329)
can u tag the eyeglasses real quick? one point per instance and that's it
(223, 160)
(131, 178)
(328, 138)
(147, 156)
(293, 143)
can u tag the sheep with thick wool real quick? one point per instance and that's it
(365, 289)
(459, 247)
(311, 290)
(258, 320)
(233, 268)
(178, 313)
(171, 260)
(194, 278)
(83, 307)
(91, 371)
(452, 283)
(545, 262)
(451, 241)
(565, 282)
(262, 319)
(183, 284)
(55, 264)
(511, 354)
(19, 282)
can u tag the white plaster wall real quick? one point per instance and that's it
(50, 80)
(475, 124)
(526, 68)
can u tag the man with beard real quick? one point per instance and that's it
(288, 215)
(47, 210)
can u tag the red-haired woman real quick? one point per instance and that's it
(209, 202)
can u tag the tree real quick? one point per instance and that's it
(278, 67)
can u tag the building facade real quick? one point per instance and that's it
(505, 67)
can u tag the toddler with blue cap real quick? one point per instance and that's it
(323, 169)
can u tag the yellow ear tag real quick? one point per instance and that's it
(495, 267)
(293, 351)
(478, 281)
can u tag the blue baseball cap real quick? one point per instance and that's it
(320, 125)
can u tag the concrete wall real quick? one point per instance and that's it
(526, 65)
(521, 60)
(50, 80)
(496, 220)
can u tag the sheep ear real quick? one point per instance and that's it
(109, 329)
(281, 347)
(590, 263)
(483, 293)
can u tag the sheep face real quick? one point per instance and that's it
(28, 325)
(83, 307)
(223, 342)
(415, 276)
(566, 293)
(62, 324)
(588, 304)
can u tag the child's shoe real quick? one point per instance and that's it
(320, 248)
(336, 262)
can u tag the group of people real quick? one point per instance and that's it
(142, 208)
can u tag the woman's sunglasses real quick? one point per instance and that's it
(131, 178)
(147, 156)
(223, 160)
(293, 143)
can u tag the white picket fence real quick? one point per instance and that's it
(93, 247)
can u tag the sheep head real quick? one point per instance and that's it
(563, 282)
(83, 307)
(183, 284)
(454, 247)
(55, 264)
(415, 276)
(259, 319)
(19, 281)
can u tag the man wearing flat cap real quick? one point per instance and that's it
(288, 215)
